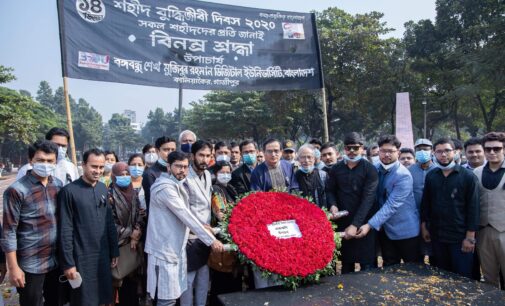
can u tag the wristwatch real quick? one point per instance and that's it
(471, 240)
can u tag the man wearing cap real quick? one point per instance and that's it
(289, 151)
(423, 165)
(352, 185)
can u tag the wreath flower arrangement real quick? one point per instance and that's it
(284, 236)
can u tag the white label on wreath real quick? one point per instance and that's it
(285, 229)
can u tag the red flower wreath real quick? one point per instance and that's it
(291, 257)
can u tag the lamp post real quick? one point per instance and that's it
(424, 131)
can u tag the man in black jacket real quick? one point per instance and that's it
(352, 185)
(241, 177)
(164, 146)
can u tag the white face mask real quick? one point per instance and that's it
(151, 158)
(223, 157)
(375, 159)
(224, 178)
(43, 169)
(108, 168)
(389, 166)
(62, 153)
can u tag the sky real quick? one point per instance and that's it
(29, 43)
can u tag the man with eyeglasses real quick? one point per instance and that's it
(491, 236)
(397, 220)
(419, 170)
(352, 184)
(170, 209)
(275, 173)
(450, 211)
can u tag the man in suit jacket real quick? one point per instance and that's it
(166, 272)
(241, 177)
(397, 220)
(274, 173)
(199, 184)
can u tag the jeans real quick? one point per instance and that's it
(38, 286)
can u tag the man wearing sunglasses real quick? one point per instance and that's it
(450, 211)
(351, 186)
(491, 238)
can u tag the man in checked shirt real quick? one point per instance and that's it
(29, 229)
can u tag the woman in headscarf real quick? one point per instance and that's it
(225, 272)
(129, 225)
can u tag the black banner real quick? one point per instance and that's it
(198, 45)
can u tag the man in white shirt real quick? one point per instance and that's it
(65, 171)
(170, 209)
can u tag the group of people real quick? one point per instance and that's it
(162, 207)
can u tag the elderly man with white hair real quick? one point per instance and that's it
(186, 139)
(311, 180)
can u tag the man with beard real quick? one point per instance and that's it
(166, 248)
(351, 186)
(397, 219)
(198, 186)
(450, 211)
(329, 156)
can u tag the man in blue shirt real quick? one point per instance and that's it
(423, 165)
(397, 219)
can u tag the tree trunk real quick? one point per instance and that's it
(456, 120)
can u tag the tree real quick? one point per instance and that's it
(45, 94)
(161, 124)
(6, 75)
(120, 136)
(88, 127)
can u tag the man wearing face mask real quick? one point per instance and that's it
(329, 156)
(352, 184)
(199, 190)
(29, 235)
(450, 211)
(419, 170)
(241, 177)
(317, 152)
(310, 180)
(397, 220)
(289, 152)
(150, 155)
(164, 146)
(65, 171)
(167, 265)
(373, 154)
(186, 139)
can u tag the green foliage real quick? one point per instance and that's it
(161, 124)
(6, 75)
(88, 127)
(120, 136)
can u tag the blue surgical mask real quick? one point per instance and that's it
(376, 159)
(451, 165)
(423, 156)
(162, 162)
(224, 178)
(249, 159)
(354, 160)
(223, 157)
(317, 154)
(43, 169)
(186, 147)
(307, 170)
(457, 157)
(136, 171)
(123, 181)
(62, 153)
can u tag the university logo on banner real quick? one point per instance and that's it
(193, 44)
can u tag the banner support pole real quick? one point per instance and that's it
(69, 120)
(326, 137)
(180, 109)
